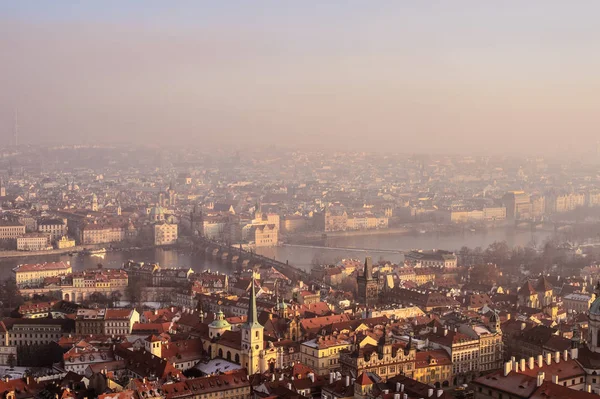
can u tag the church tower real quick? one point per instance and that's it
(252, 336)
(367, 286)
(95, 203)
(172, 195)
(2, 188)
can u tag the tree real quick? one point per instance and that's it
(11, 361)
(134, 292)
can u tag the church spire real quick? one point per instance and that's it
(252, 313)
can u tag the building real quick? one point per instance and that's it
(34, 274)
(577, 302)
(10, 230)
(322, 354)
(433, 259)
(120, 321)
(65, 242)
(368, 287)
(518, 205)
(101, 234)
(490, 343)
(55, 228)
(33, 242)
(494, 213)
(463, 350)
(383, 358)
(34, 331)
(332, 220)
(265, 235)
(165, 234)
(539, 297)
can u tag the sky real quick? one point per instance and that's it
(513, 77)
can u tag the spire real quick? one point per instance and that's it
(368, 272)
(252, 314)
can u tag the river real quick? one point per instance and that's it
(298, 256)
(303, 257)
(164, 257)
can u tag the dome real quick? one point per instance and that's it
(219, 322)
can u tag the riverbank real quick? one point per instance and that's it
(73, 250)
(297, 238)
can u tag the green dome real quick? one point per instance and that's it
(220, 322)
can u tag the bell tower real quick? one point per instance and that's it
(252, 336)
(367, 286)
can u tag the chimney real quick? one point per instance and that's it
(347, 380)
(548, 359)
(507, 368)
(290, 386)
(430, 392)
(405, 396)
(445, 331)
(540, 361)
(435, 329)
(331, 377)
(311, 376)
(397, 387)
(440, 392)
(588, 388)
(566, 355)
(523, 325)
(574, 353)
(273, 377)
(555, 379)
(531, 362)
(557, 357)
(522, 365)
(396, 396)
(540, 378)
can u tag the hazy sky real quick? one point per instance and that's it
(419, 75)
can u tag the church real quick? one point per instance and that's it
(368, 286)
(245, 346)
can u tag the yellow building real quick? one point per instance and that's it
(65, 242)
(322, 354)
(34, 274)
(433, 367)
(165, 234)
(384, 359)
(33, 242)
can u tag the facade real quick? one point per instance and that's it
(322, 354)
(518, 205)
(34, 274)
(577, 302)
(33, 242)
(293, 223)
(27, 331)
(65, 242)
(117, 322)
(433, 259)
(384, 359)
(265, 235)
(10, 230)
(55, 228)
(101, 234)
(165, 234)
(494, 213)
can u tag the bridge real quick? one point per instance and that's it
(242, 256)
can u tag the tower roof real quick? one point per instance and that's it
(368, 271)
(252, 312)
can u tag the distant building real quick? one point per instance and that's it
(65, 242)
(55, 228)
(34, 274)
(518, 205)
(165, 234)
(10, 230)
(33, 242)
(433, 259)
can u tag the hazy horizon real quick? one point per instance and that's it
(421, 76)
